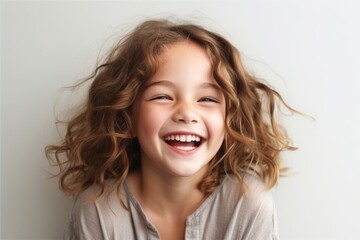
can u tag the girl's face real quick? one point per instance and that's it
(179, 118)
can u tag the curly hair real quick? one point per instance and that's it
(99, 144)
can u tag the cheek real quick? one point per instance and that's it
(220, 128)
(148, 120)
(216, 124)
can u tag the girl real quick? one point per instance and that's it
(175, 141)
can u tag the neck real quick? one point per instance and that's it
(166, 195)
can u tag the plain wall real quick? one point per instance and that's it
(308, 50)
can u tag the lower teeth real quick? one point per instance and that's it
(186, 148)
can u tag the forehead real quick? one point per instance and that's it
(184, 62)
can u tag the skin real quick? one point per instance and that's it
(183, 100)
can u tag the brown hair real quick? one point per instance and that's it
(99, 145)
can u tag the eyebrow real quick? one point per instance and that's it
(160, 83)
(172, 85)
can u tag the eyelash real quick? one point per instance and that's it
(208, 99)
(204, 99)
(161, 97)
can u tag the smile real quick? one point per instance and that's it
(184, 142)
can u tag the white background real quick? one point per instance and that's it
(308, 50)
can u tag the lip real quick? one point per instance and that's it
(182, 133)
(183, 152)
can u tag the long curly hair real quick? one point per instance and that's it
(99, 144)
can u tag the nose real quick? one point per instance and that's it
(185, 113)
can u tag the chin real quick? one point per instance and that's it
(189, 171)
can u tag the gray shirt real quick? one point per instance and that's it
(225, 214)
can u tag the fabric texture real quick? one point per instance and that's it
(225, 214)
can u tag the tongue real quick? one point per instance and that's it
(181, 144)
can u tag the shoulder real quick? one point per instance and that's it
(93, 216)
(256, 195)
(88, 202)
(256, 190)
(249, 197)
(254, 187)
(253, 211)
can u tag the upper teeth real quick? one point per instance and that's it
(183, 138)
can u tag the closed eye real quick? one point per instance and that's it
(161, 97)
(208, 99)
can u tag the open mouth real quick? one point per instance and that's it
(184, 142)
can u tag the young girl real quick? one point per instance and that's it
(175, 141)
